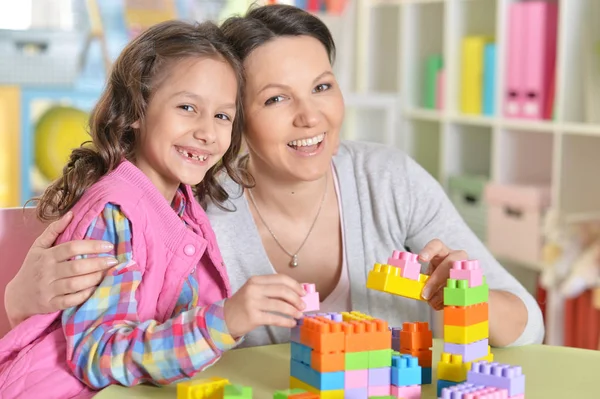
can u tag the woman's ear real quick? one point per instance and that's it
(136, 124)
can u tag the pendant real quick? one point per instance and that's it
(294, 262)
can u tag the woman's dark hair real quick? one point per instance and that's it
(265, 23)
(134, 78)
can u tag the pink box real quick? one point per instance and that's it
(409, 392)
(514, 94)
(515, 217)
(356, 379)
(542, 20)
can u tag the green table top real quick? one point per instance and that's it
(550, 372)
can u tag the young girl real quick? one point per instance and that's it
(168, 121)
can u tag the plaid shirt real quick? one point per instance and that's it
(108, 344)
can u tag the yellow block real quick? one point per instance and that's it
(334, 394)
(10, 146)
(208, 388)
(355, 316)
(472, 74)
(387, 278)
(452, 368)
(466, 334)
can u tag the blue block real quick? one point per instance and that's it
(489, 77)
(426, 375)
(405, 370)
(301, 353)
(320, 381)
(441, 384)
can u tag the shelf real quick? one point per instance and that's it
(467, 150)
(403, 2)
(424, 114)
(581, 129)
(475, 120)
(525, 125)
(423, 142)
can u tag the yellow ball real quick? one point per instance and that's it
(57, 133)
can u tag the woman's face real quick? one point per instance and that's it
(294, 108)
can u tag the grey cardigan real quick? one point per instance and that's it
(388, 202)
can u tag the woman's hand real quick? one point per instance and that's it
(268, 300)
(49, 281)
(440, 259)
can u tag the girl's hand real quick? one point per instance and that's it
(440, 259)
(269, 300)
(48, 281)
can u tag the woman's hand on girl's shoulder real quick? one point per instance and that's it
(50, 279)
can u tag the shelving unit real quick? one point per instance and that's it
(562, 152)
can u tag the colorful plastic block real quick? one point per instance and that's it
(441, 384)
(407, 263)
(311, 299)
(382, 397)
(467, 270)
(452, 368)
(466, 335)
(466, 315)
(322, 335)
(327, 362)
(467, 390)
(381, 358)
(379, 391)
(416, 335)
(458, 293)
(294, 393)
(207, 388)
(379, 377)
(333, 394)
(388, 279)
(498, 375)
(426, 375)
(469, 352)
(356, 393)
(237, 392)
(407, 392)
(425, 356)
(405, 370)
(320, 381)
(356, 379)
(356, 360)
(301, 353)
(364, 334)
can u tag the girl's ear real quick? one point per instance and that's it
(136, 124)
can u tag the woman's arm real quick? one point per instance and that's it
(108, 343)
(48, 281)
(515, 317)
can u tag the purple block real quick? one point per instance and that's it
(295, 334)
(460, 390)
(379, 377)
(356, 393)
(497, 375)
(469, 352)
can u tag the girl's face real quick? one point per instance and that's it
(188, 123)
(294, 108)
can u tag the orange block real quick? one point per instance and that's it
(322, 335)
(327, 362)
(416, 336)
(425, 356)
(466, 315)
(305, 395)
(356, 338)
(380, 336)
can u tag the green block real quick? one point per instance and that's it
(382, 397)
(237, 392)
(380, 358)
(458, 293)
(287, 393)
(356, 360)
(433, 65)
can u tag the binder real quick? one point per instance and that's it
(433, 65)
(515, 67)
(439, 91)
(472, 74)
(489, 79)
(540, 65)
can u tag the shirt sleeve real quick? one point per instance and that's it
(432, 215)
(107, 343)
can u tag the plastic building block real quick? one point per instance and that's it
(466, 315)
(426, 375)
(416, 335)
(405, 370)
(322, 335)
(466, 335)
(208, 388)
(407, 263)
(362, 334)
(396, 338)
(333, 394)
(379, 377)
(356, 360)
(498, 375)
(458, 293)
(356, 393)
(469, 352)
(294, 394)
(387, 279)
(452, 368)
(379, 391)
(467, 390)
(380, 358)
(311, 299)
(301, 353)
(441, 384)
(467, 270)
(425, 356)
(327, 362)
(382, 397)
(407, 392)
(237, 392)
(356, 379)
(321, 381)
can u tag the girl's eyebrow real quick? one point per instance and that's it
(189, 94)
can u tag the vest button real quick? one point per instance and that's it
(189, 250)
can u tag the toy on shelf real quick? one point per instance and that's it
(415, 339)
(311, 299)
(400, 276)
(466, 328)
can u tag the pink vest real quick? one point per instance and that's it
(33, 360)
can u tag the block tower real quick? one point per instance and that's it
(349, 355)
(466, 329)
(415, 339)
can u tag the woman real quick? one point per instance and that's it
(320, 210)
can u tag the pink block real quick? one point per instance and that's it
(311, 299)
(409, 392)
(542, 20)
(380, 391)
(472, 391)
(467, 270)
(440, 85)
(514, 93)
(407, 263)
(356, 379)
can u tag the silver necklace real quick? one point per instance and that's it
(294, 256)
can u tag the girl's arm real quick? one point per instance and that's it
(108, 344)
